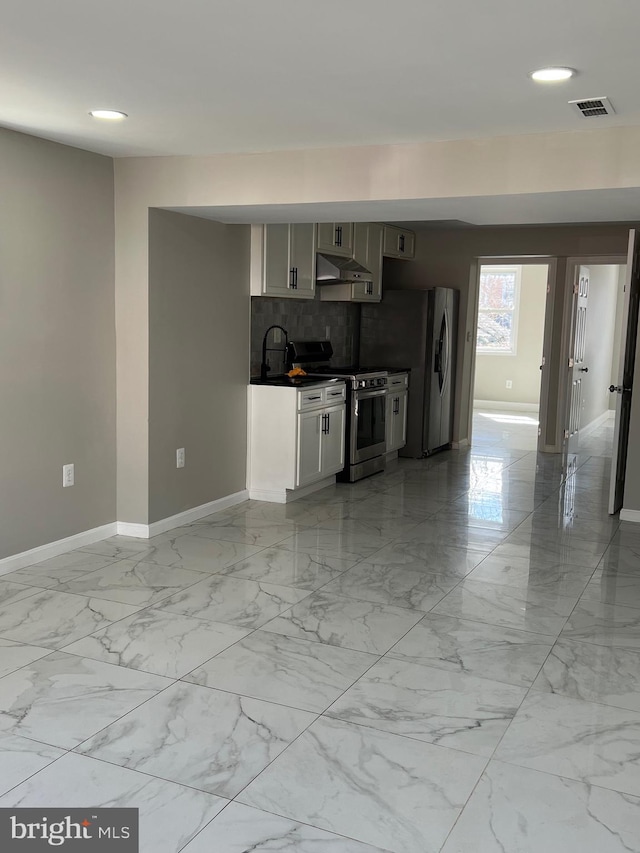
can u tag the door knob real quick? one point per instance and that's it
(620, 389)
(583, 369)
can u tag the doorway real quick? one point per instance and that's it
(510, 330)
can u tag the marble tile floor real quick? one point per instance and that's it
(444, 658)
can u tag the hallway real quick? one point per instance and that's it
(444, 657)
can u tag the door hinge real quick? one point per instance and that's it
(571, 362)
(566, 433)
(576, 288)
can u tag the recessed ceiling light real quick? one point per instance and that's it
(552, 75)
(112, 115)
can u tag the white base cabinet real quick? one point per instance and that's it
(296, 438)
(396, 414)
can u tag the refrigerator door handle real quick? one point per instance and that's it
(444, 352)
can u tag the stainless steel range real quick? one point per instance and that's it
(366, 408)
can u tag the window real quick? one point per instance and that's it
(498, 310)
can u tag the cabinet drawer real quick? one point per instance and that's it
(311, 399)
(336, 395)
(400, 380)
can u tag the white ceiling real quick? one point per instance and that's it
(204, 76)
(621, 205)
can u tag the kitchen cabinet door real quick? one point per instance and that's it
(367, 250)
(276, 260)
(396, 420)
(283, 260)
(335, 238)
(302, 259)
(333, 438)
(309, 447)
(398, 242)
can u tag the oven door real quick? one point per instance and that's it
(368, 434)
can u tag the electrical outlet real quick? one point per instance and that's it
(277, 336)
(180, 457)
(327, 333)
(68, 475)
(509, 383)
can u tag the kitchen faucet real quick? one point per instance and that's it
(264, 367)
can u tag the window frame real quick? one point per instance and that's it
(501, 268)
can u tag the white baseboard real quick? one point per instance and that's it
(123, 528)
(285, 496)
(456, 445)
(597, 422)
(54, 549)
(502, 405)
(146, 531)
(630, 515)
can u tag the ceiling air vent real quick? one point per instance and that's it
(589, 107)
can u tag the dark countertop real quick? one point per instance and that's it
(295, 381)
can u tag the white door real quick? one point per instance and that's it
(333, 432)
(622, 389)
(309, 447)
(577, 364)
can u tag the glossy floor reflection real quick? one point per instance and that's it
(444, 658)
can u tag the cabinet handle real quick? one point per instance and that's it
(325, 424)
(293, 278)
(401, 243)
(369, 290)
(338, 235)
(318, 397)
(335, 393)
(396, 406)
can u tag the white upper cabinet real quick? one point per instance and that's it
(367, 250)
(398, 242)
(283, 260)
(335, 238)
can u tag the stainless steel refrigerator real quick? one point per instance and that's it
(417, 329)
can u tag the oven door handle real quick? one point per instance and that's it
(364, 395)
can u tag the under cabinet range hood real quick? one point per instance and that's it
(331, 269)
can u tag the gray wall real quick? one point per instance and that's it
(57, 341)
(307, 320)
(198, 360)
(523, 368)
(600, 337)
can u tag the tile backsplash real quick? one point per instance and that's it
(304, 320)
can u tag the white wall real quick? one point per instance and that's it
(600, 336)
(523, 368)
